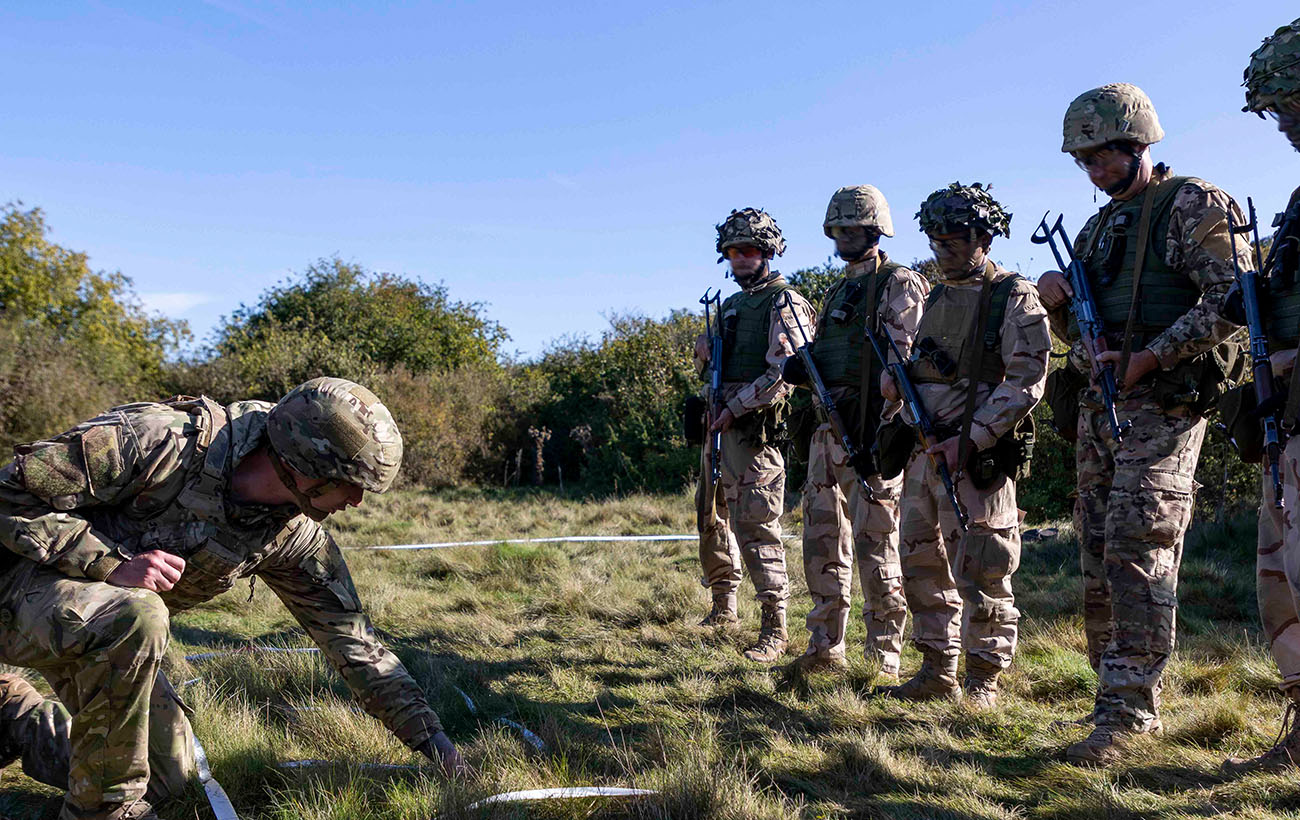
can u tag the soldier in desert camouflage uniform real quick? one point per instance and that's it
(1273, 88)
(154, 508)
(841, 527)
(742, 519)
(979, 362)
(1170, 234)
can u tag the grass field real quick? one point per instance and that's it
(594, 648)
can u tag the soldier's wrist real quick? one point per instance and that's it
(737, 409)
(103, 566)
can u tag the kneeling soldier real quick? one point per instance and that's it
(979, 363)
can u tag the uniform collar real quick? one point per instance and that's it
(869, 265)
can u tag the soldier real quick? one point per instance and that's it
(743, 515)
(979, 362)
(153, 508)
(1273, 87)
(841, 527)
(1159, 255)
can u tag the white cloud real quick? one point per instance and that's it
(175, 302)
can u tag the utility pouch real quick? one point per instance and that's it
(693, 415)
(1063, 393)
(1237, 413)
(895, 441)
(1199, 383)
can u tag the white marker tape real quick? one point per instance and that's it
(217, 797)
(309, 764)
(537, 742)
(203, 656)
(562, 794)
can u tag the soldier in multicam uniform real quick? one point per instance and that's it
(1273, 87)
(841, 527)
(744, 520)
(1159, 255)
(979, 362)
(154, 508)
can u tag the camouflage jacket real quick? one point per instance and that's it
(157, 477)
(1025, 344)
(1198, 244)
(769, 388)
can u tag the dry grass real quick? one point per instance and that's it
(594, 648)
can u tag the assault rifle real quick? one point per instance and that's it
(1267, 403)
(920, 418)
(822, 395)
(713, 327)
(1091, 327)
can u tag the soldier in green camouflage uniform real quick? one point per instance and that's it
(841, 527)
(154, 508)
(1273, 88)
(742, 518)
(1135, 498)
(979, 362)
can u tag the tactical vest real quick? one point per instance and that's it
(948, 322)
(1282, 318)
(1111, 260)
(842, 330)
(193, 523)
(746, 329)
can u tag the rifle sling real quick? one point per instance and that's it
(978, 329)
(873, 286)
(1143, 235)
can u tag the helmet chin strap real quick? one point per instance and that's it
(303, 498)
(1134, 168)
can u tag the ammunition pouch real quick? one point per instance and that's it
(895, 442)
(1009, 456)
(694, 412)
(759, 428)
(1063, 393)
(1198, 383)
(1241, 415)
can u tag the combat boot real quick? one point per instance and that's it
(935, 680)
(723, 612)
(772, 637)
(981, 683)
(812, 661)
(1285, 753)
(136, 810)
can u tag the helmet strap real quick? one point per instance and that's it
(1134, 168)
(302, 498)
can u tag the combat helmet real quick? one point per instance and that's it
(959, 207)
(338, 430)
(858, 205)
(1118, 111)
(1274, 71)
(750, 226)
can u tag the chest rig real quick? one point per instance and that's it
(945, 351)
(746, 325)
(193, 524)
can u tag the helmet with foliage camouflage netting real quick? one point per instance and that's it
(1118, 111)
(750, 226)
(859, 205)
(1274, 71)
(960, 207)
(339, 430)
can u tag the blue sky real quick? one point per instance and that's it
(564, 161)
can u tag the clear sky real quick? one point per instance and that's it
(562, 161)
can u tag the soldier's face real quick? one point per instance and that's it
(337, 497)
(1288, 121)
(1110, 166)
(959, 254)
(745, 260)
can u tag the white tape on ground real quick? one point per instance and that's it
(217, 797)
(537, 742)
(562, 794)
(308, 764)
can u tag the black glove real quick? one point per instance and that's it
(1234, 306)
(793, 371)
(864, 464)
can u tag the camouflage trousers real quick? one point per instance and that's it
(100, 648)
(1134, 505)
(959, 585)
(840, 528)
(1277, 566)
(744, 520)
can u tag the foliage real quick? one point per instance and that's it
(626, 391)
(383, 319)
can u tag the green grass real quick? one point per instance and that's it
(594, 647)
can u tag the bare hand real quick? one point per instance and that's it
(1054, 290)
(1283, 361)
(702, 348)
(888, 388)
(155, 570)
(723, 422)
(948, 450)
(1140, 363)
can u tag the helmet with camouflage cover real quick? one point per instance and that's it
(338, 430)
(1118, 111)
(750, 226)
(859, 206)
(960, 207)
(1273, 75)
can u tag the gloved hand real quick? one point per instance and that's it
(1234, 306)
(793, 371)
(440, 750)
